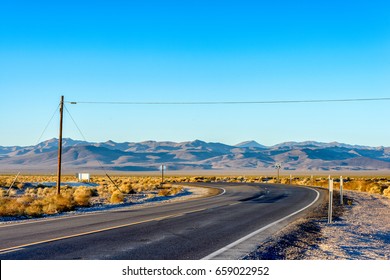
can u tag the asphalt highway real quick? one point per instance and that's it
(192, 229)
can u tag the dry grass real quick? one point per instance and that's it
(33, 200)
(117, 197)
(375, 185)
(82, 196)
(26, 199)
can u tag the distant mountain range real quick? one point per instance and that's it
(193, 155)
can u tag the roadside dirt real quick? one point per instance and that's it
(360, 231)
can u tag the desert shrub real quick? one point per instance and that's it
(24, 201)
(39, 192)
(169, 191)
(103, 192)
(139, 187)
(49, 208)
(3, 192)
(375, 189)
(386, 192)
(285, 180)
(117, 197)
(47, 191)
(176, 190)
(166, 186)
(126, 188)
(305, 181)
(363, 186)
(358, 185)
(3, 182)
(35, 209)
(82, 195)
(30, 192)
(12, 192)
(10, 207)
(163, 192)
(19, 185)
(54, 204)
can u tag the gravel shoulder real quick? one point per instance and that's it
(360, 231)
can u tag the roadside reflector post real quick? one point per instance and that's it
(162, 168)
(341, 190)
(290, 179)
(330, 201)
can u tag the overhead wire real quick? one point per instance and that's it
(231, 102)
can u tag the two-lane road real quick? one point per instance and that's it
(190, 229)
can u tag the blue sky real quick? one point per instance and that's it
(195, 51)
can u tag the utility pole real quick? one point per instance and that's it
(60, 147)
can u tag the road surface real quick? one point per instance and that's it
(212, 227)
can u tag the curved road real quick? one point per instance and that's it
(194, 229)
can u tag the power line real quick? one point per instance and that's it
(232, 102)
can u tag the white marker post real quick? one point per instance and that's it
(162, 168)
(330, 201)
(290, 179)
(341, 189)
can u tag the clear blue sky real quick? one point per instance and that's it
(195, 51)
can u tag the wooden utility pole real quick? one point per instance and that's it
(60, 147)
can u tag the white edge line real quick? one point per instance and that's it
(235, 243)
(222, 193)
(20, 247)
(10, 251)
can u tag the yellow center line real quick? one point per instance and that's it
(231, 204)
(49, 219)
(7, 250)
(84, 233)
